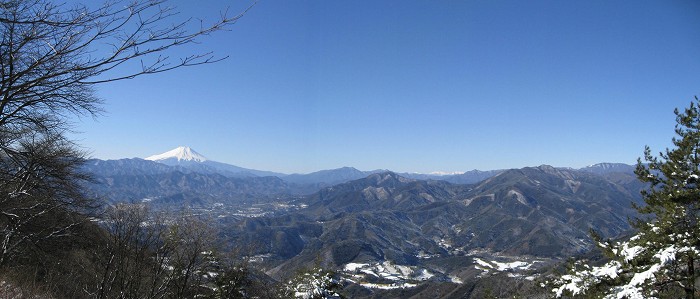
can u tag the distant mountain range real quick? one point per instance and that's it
(188, 159)
(137, 180)
(186, 174)
(190, 163)
(442, 224)
(608, 168)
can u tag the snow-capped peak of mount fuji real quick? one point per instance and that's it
(189, 160)
(181, 153)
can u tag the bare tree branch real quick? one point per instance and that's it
(51, 57)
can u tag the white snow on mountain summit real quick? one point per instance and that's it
(181, 153)
(444, 173)
(189, 160)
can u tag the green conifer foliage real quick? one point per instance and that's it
(674, 199)
(661, 259)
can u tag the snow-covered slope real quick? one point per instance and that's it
(181, 153)
(188, 158)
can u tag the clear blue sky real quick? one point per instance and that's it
(416, 86)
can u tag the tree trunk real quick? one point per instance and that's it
(690, 284)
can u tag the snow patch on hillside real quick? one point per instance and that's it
(387, 275)
(514, 268)
(518, 196)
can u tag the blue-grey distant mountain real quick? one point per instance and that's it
(186, 157)
(469, 177)
(126, 167)
(138, 180)
(329, 177)
(605, 168)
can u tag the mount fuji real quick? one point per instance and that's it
(186, 157)
(177, 155)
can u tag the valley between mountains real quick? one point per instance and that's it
(390, 234)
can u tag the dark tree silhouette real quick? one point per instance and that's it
(51, 57)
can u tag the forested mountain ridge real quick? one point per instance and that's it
(425, 233)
